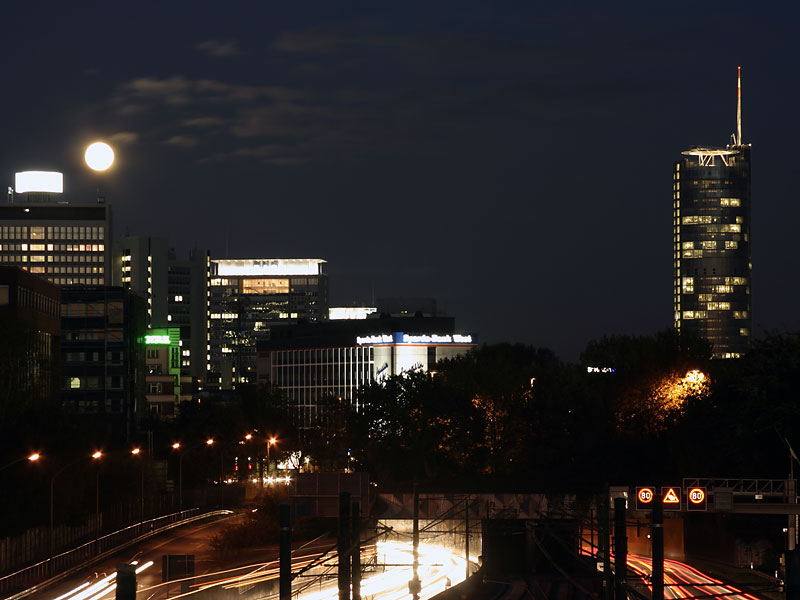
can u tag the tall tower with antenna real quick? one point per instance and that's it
(712, 265)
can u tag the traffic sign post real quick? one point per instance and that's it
(697, 499)
(644, 497)
(671, 498)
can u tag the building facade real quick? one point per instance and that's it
(176, 292)
(322, 365)
(187, 306)
(29, 347)
(67, 244)
(247, 297)
(712, 262)
(166, 386)
(103, 376)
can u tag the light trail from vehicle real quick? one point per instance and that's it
(685, 581)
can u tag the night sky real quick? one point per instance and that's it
(512, 160)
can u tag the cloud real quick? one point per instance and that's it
(178, 90)
(219, 49)
(123, 138)
(185, 141)
(203, 122)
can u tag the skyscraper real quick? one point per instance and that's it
(711, 244)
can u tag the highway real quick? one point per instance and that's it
(191, 539)
(438, 569)
(684, 581)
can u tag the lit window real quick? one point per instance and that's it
(688, 245)
(74, 383)
(744, 331)
(709, 245)
(731, 245)
(724, 289)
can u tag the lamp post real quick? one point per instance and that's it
(271, 442)
(138, 452)
(31, 457)
(179, 448)
(95, 456)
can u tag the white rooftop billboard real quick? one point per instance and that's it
(51, 182)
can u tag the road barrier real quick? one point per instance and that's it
(52, 570)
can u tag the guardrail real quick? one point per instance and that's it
(94, 550)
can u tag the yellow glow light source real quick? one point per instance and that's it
(99, 156)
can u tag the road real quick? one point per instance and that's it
(191, 539)
(438, 569)
(684, 581)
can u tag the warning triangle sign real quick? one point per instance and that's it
(671, 497)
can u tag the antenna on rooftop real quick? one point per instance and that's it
(739, 105)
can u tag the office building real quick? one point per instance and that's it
(176, 292)
(29, 346)
(103, 373)
(166, 386)
(140, 265)
(247, 297)
(187, 308)
(319, 365)
(711, 245)
(65, 243)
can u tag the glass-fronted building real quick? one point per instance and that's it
(247, 297)
(319, 365)
(711, 247)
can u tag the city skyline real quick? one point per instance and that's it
(448, 154)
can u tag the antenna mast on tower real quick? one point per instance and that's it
(739, 105)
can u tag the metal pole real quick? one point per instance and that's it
(285, 583)
(657, 539)
(466, 534)
(97, 510)
(356, 545)
(344, 546)
(180, 482)
(604, 527)
(620, 551)
(52, 484)
(414, 586)
(142, 490)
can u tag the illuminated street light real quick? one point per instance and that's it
(136, 452)
(176, 445)
(97, 454)
(99, 156)
(32, 458)
(209, 441)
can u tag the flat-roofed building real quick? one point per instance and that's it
(247, 297)
(29, 347)
(319, 365)
(65, 243)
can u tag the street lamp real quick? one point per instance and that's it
(177, 447)
(31, 457)
(95, 456)
(137, 452)
(271, 442)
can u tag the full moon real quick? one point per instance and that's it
(99, 156)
